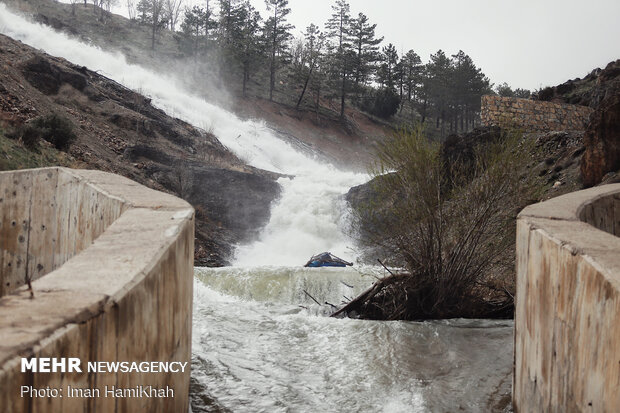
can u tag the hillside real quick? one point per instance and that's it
(119, 131)
(589, 91)
(349, 144)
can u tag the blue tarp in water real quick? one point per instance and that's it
(326, 259)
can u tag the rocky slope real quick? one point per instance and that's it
(600, 89)
(589, 91)
(118, 130)
(601, 160)
(350, 145)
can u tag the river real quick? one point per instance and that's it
(261, 344)
(260, 341)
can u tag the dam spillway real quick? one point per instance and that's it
(111, 268)
(567, 352)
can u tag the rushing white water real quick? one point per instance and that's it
(305, 219)
(260, 340)
(260, 344)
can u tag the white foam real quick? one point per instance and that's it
(304, 221)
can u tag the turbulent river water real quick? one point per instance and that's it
(260, 341)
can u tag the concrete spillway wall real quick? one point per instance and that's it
(111, 268)
(567, 334)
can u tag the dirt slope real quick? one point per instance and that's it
(119, 131)
(349, 145)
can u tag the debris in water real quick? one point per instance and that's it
(326, 259)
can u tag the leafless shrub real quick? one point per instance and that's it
(449, 222)
(182, 180)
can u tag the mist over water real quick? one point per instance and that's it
(261, 339)
(304, 221)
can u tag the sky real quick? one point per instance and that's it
(528, 44)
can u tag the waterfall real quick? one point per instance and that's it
(260, 340)
(308, 217)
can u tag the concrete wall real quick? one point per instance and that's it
(567, 334)
(532, 115)
(119, 264)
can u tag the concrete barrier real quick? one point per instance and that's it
(567, 329)
(111, 264)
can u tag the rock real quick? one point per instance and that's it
(602, 137)
(240, 201)
(602, 142)
(589, 91)
(48, 77)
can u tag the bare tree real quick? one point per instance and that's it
(182, 180)
(449, 220)
(172, 10)
(107, 5)
(73, 4)
(131, 9)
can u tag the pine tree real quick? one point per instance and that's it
(197, 27)
(152, 13)
(387, 75)
(229, 19)
(144, 10)
(314, 43)
(248, 48)
(412, 71)
(439, 70)
(366, 48)
(338, 30)
(277, 31)
(468, 86)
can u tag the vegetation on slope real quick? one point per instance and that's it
(335, 68)
(14, 154)
(446, 215)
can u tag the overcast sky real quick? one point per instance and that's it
(526, 43)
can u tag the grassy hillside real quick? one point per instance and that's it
(14, 155)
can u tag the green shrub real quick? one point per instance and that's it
(546, 94)
(384, 103)
(30, 135)
(54, 128)
(57, 130)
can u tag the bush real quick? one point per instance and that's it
(57, 130)
(383, 104)
(53, 128)
(450, 223)
(546, 94)
(30, 135)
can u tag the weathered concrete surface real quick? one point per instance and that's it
(567, 336)
(120, 288)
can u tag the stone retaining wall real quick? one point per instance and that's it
(119, 263)
(533, 115)
(567, 336)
